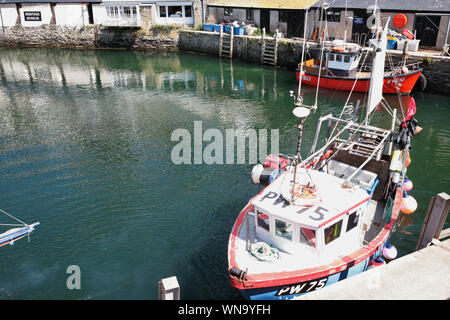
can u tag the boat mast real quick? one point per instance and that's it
(299, 97)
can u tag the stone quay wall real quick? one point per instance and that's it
(169, 38)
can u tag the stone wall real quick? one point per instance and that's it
(51, 36)
(245, 48)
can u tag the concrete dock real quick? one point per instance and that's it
(421, 275)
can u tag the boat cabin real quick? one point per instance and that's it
(342, 63)
(320, 229)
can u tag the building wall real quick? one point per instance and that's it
(9, 14)
(71, 14)
(43, 8)
(99, 13)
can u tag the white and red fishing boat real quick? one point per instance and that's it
(338, 69)
(329, 216)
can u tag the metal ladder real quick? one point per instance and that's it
(226, 43)
(269, 48)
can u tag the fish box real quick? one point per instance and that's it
(208, 27)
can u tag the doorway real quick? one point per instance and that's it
(295, 23)
(265, 20)
(360, 32)
(427, 29)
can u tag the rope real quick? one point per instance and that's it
(264, 252)
(13, 217)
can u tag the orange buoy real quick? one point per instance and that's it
(400, 20)
(409, 204)
(408, 160)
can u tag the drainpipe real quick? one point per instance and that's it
(203, 13)
(446, 33)
(1, 16)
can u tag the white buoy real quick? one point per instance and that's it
(389, 252)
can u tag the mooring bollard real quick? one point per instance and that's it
(169, 289)
(434, 220)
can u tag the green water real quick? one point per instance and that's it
(85, 148)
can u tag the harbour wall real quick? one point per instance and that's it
(245, 48)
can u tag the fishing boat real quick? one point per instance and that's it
(341, 66)
(337, 69)
(21, 230)
(329, 216)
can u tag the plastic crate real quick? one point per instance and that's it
(392, 44)
(208, 27)
(240, 31)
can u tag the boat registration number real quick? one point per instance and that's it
(306, 78)
(302, 287)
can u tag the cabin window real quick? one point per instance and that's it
(331, 57)
(352, 221)
(308, 237)
(333, 232)
(347, 59)
(283, 229)
(263, 220)
(339, 58)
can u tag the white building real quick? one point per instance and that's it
(132, 13)
(35, 13)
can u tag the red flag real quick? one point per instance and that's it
(411, 109)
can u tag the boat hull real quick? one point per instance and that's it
(404, 82)
(295, 289)
(287, 285)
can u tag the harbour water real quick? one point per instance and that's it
(85, 148)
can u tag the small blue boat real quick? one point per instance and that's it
(14, 234)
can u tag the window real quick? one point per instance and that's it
(174, 11)
(332, 15)
(228, 11)
(263, 220)
(308, 236)
(352, 221)
(333, 232)
(112, 12)
(331, 57)
(346, 59)
(338, 58)
(283, 16)
(128, 12)
(249, 14)
(188, 11)
(283, 229)
(162, 11)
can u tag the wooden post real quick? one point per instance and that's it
(220, 40)
(263, 44)
(434, 220)
(169, 289)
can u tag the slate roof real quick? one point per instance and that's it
(432, 6)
